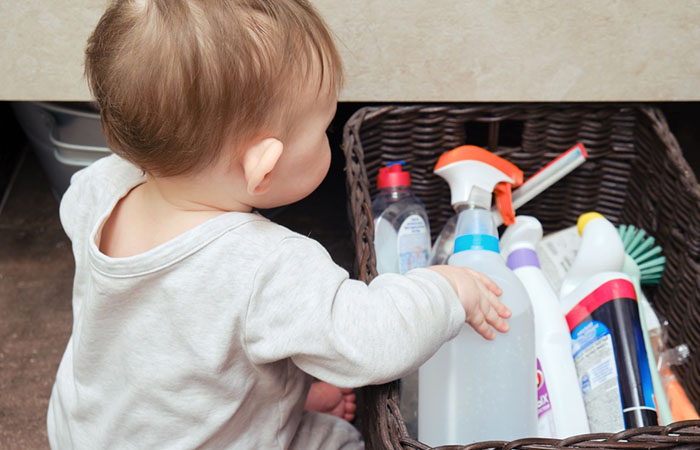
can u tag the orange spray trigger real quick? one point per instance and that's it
(467, 167)
(504, 202)
(474, 153)
(503, 194)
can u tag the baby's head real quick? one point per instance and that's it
(178, 82)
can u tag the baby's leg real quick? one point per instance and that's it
(326, 398)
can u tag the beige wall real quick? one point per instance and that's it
(441, 50)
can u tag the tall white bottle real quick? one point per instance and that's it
(560, 408)
(472, 389)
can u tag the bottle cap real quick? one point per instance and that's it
(585, 218)
(393, 175)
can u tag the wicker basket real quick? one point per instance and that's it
(635, 175)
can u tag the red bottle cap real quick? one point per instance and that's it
(393, 175)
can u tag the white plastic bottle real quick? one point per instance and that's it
(560, 408)
(603, 252)
(472, 389)
(401, 226)
(603, 315)
(603, 249)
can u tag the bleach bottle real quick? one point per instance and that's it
(472, 389)
(601, 310)
(401, 227)
(560, 409)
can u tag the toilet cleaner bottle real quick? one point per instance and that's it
(560, 408)
(401, 226)
(472, 389)
(603, 251)
(600, 304)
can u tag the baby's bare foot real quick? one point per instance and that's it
(326, 398)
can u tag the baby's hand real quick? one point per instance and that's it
(479, 297)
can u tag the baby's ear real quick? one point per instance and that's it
(258, 162)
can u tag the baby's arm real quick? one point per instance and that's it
(304, 307)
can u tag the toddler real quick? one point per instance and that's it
(197, 322)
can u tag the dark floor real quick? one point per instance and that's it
(36, 271)
(36, 267)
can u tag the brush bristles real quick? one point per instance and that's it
(642, 249)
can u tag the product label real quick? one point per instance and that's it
(413, 243)
(594, 357)
(557, 252)
(385, 246)
(545, 416)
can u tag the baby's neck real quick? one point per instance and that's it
(192, 194)
(155, 212)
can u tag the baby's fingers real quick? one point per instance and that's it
(489, 283)
(496, 321)
(501, 309)
(494, 312)
(482, 327)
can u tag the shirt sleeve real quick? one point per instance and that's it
(95, 186)
(71, 212)
(305, 307)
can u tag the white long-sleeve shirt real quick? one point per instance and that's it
(211, 339)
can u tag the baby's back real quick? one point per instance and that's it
(157, 358)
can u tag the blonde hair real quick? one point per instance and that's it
(176, 79)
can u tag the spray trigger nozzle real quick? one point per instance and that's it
(474, 173)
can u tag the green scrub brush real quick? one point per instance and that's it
(644, 265)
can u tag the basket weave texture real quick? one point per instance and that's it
(635, 174)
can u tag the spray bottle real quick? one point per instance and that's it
(601, 310)
(554, 171)
(560, 409)
(475, 390)
(401, 227)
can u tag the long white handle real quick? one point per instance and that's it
(547, 176)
